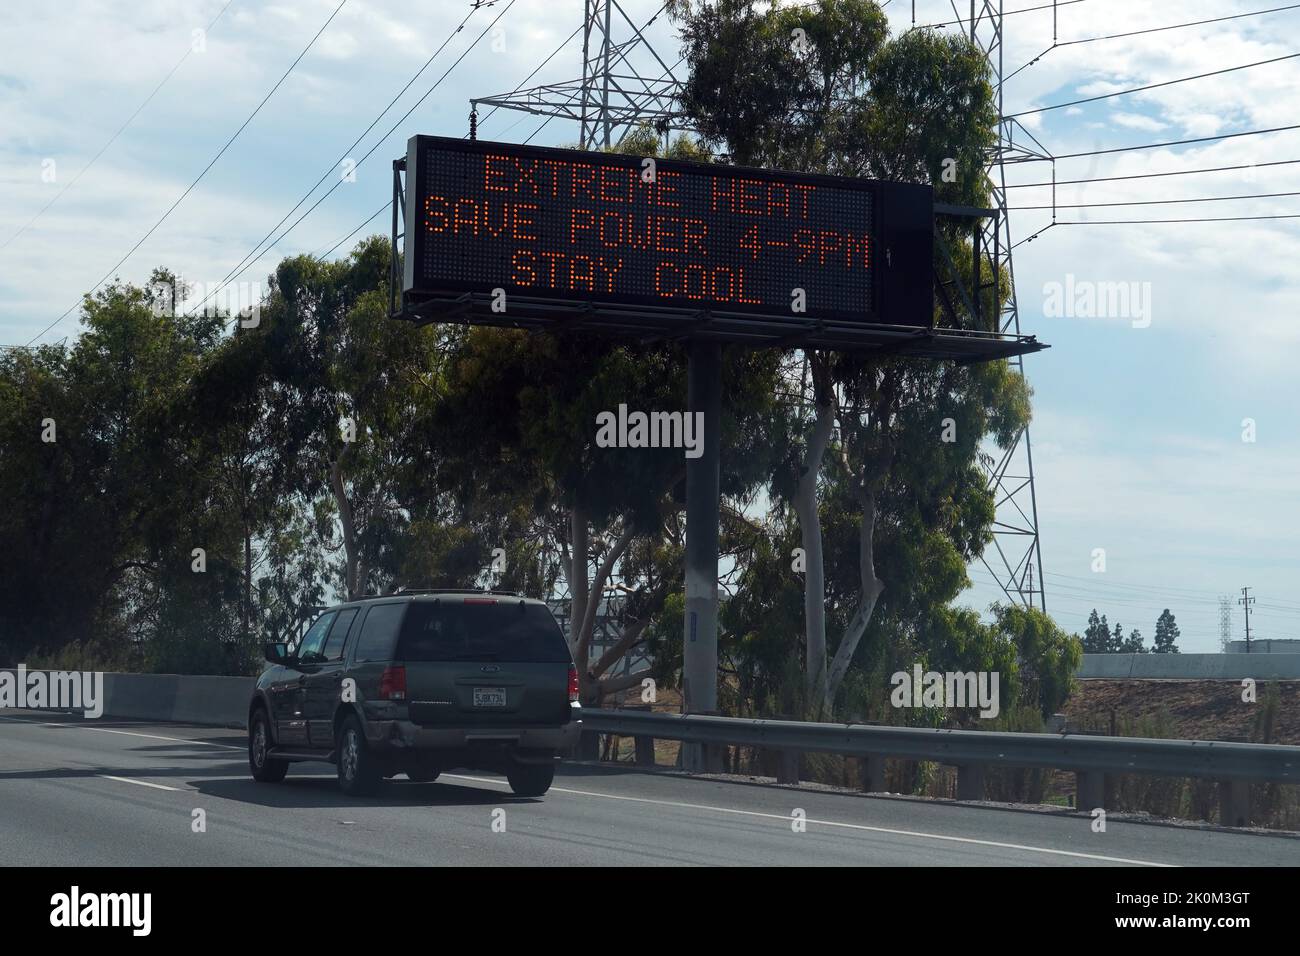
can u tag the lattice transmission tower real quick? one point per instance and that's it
(625, 83)
(1016, 561)
(1225, 622)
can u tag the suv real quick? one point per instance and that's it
(417, 683)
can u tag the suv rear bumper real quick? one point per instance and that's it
(398, 736)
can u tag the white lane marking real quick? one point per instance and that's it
(140, 783)
(128, 733)
(834, 823)
(125, 733)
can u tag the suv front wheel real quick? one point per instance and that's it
(358, 772)
(264, 769)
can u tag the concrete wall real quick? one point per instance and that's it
(193, 699)
(1190, 666)
(1268, 645)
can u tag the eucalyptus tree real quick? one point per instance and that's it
(102, 509)
(348, 384)
(826, 89)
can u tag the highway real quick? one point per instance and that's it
(76, 792)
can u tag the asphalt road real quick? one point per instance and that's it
(76, 792)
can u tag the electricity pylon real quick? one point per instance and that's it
(1015, 558)
(618, 89)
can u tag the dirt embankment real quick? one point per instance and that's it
(1189, 710)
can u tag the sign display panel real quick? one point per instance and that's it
(605, 229)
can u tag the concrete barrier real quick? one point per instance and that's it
(201, 699)
(1189, 667)
(184, 698)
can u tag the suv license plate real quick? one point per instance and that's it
(489, 696)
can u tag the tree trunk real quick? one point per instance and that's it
(350, 550)
(582, 628)
(872, 588)
(579, 546)
(810, 536)
(246, 613)
(603, 573)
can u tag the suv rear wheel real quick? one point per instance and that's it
(264, 769)
(358, 772)
(531, 779)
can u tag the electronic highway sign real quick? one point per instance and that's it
(506, 233)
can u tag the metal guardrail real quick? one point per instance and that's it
(1217, 760)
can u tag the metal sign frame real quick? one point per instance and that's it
(902, 276)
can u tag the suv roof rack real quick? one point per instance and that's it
(405, 590)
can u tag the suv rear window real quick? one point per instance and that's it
(472, 631)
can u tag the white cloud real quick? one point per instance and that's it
(1138, 121)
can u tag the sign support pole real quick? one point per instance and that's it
(703, 493)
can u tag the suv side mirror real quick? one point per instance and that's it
(276, 653)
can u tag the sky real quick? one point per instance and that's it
(1141, 415)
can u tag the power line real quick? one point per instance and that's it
(1080, 598)
(1195, 595)
(1005, 13)
(190, 187)
(1172, 142)
(1152, 86)
(1136, 600)
(545, 123)
(112, 139)
(518, 87)
(1070, 605)
(1142, 222)
(1170, 596)
(539, 68)
(1152, 202)
(257, 248)
(372, 218)
(379, 142)
(1070, 594)
(1179, 26)
(1134, 33)
(1180, 172)
(1121, 584)
(667, 73)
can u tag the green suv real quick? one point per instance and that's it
(419, 682)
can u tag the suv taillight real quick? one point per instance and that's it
(392, 684)
(573, 684)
